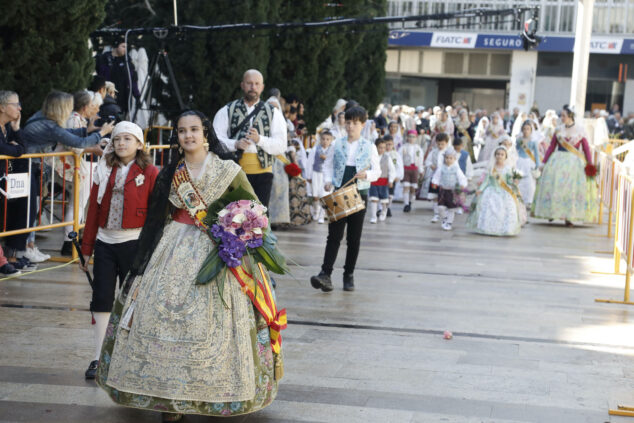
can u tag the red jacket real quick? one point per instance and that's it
(135, 204)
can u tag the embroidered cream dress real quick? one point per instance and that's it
(186, 351)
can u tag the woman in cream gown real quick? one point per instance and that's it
(189, 349)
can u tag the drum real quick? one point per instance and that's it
(343, 202)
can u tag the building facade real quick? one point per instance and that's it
(481, 59)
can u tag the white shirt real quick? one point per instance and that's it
(274, 145)
(372, 174)
(352, 153)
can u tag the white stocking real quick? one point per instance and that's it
(99, 330)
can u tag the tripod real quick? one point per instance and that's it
(155, 74)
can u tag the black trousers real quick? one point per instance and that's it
(354, 226)
(111, 261)
(261, 184)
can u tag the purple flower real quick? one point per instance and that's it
(255, 243)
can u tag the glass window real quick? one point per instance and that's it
(454, 63)
(567, 18)
(630, 18)
(550, 18)
(500, 64)
(617, 16)
(478, 63)
(599, 19)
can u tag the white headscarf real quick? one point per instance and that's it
(511, 152)
(517, 125)
(491, 164)
(483, 124)
(101, 175)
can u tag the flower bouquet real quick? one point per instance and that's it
(238, 225)
(516, 175)
(591, 170)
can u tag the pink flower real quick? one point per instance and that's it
(247, 236)
(244, 203)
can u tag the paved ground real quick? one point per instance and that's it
(530, 344)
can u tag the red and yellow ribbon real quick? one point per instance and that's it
(262, 299)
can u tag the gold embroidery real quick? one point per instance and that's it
(184, 343)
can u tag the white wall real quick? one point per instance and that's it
(552, 92)
(522, 86)
(628, 97)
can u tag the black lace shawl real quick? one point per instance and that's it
(159, 207)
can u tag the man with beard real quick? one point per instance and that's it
(256, 131)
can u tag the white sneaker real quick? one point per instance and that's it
(321, 220)
(42, 256)
(33, 256)
(383, 216)
(460, 211)
(435, 219)
(373, 219)
(446, 226)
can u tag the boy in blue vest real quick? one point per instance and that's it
(353, 157)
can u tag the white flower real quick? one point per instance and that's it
(257, 231)
(239, 218)
(223, 212)
(139, 180)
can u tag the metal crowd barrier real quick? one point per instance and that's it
(623, 234)
(52, 190)
(609, 171)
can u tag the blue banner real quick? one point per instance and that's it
(506, 42)
(468, 40)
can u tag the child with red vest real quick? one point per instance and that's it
(122, 184)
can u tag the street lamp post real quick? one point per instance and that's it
(581, 56)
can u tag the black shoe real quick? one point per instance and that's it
(67, 248)
(171, 417)
(348, 282)
(389, 212)
(9, 270)
(23, 263)
(407, 208)
(92, 369)
(321, 281)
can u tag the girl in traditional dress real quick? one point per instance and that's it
(564, 191)
(444, 125)
(527, 163)
(299, 202)
(464, 129)
(173, 345)
(496, 208)
(479, 137)
(549, 123)
(492, 137)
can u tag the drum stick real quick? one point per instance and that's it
(355, 177)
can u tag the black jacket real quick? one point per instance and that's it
(109, 108)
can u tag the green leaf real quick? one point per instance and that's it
(210, 268)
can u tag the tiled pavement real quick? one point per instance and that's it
(530, 344)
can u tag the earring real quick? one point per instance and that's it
(206, 144)
(180, 150)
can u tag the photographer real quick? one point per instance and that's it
(112, 66)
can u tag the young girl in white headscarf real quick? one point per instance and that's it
(492, 137)
(496, 208)
(122, 184)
